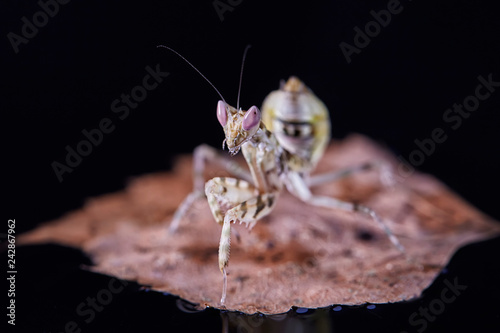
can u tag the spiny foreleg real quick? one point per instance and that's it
(247, 207)
(202, 155)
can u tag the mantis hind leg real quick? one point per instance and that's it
(298, 187)
(384, 170)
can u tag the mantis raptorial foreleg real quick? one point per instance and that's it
(224, 193)
(205, 154)
(202, 155)
(233, 200)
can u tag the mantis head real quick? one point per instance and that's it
(239, 125)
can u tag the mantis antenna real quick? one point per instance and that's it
(241, 75)
(203, 76)
(196, 69)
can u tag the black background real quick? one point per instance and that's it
(396, 90)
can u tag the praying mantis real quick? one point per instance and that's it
(282, 144)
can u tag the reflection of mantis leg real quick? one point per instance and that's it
(297, 186)
(232, 200)
(203, 154)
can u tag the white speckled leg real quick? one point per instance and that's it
(297, 186)
(205, 154)
(384, 169)
(232, 200)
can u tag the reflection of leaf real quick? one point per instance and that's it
(299, 255)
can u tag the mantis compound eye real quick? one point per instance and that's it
(252, 118)
(222, 113)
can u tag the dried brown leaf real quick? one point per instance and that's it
(299, 255)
